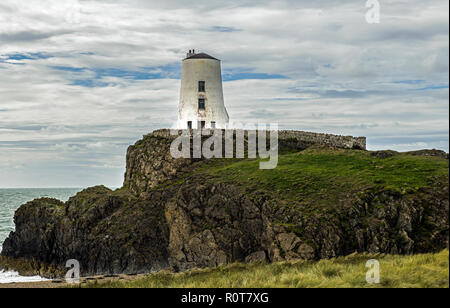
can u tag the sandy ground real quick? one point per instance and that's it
(62, 283)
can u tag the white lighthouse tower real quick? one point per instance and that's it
(201, 98)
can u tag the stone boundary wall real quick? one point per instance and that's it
(337, 141)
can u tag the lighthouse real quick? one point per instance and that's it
(201, 96)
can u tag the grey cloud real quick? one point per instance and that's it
(223, 29)
(25, 128)
(27, 36)
(5, 8)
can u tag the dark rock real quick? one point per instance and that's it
(383, 154)
(107, 232)
(306, 252)
(434, 152)
(256, 257)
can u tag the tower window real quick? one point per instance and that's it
(201, 86)
(189, 124)
(201, 103)
(213, 125)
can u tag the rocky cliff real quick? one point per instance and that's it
(321, 202)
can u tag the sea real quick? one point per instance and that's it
(10, 201)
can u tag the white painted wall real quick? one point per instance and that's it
(208, 70)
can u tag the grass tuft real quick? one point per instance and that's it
(418, 271)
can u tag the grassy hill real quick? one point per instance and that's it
(418, 271)
(322, 175)
(319, 203)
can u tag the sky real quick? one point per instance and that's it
(81, 80)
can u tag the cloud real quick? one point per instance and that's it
(27, 36)
(223, 29)
(81, 80)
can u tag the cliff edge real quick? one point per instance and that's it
(325, 199)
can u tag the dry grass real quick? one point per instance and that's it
(418, 271)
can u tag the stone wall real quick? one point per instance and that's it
(337, 141)
(345, 142)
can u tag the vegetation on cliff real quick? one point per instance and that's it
(319, 203)
(418, 271)
(322, 175)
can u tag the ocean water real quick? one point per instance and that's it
(10, 201)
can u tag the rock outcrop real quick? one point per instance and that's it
(169, 216)
(107, 232)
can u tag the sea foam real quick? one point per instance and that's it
(10, 277)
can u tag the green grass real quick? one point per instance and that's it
(418, 271)
(328, 174)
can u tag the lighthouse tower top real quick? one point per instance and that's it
(201, 96)
(192, 55)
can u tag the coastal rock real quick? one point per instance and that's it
(256, 257)
(97, 227)
(168, 216)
